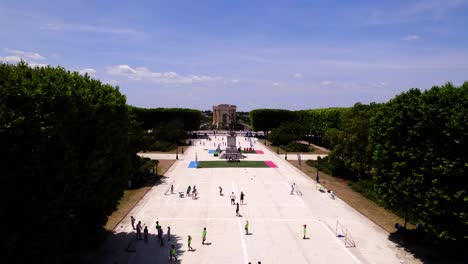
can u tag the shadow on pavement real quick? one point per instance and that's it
(125, 248)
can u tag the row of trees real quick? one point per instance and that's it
(411, 152)
(69, 147)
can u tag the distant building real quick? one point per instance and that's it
(223, 115)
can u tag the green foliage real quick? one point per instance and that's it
(318, 121)
(286, 133)
(65, 158)
(350, 145)
(419, 143)
(153, 117)
(162, 146)
(267, 119)
(296, 147)
(366, 189)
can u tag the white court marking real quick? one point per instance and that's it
(264, 219)
(244, 248)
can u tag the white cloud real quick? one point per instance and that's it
(326, 82)
(17, 59)
(26, 54)
(412, 37)
(275, 84)
(89, 28)
(11, 59)
(144, 74)
(89, 71)
(297, 75)
(235, 81)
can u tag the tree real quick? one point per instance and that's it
(419, 142)
(286, 133)
(65, 156)
(350, 146)
(267, 119)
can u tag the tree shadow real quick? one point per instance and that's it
(425, 248)
(116, 248)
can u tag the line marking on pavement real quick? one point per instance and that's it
(244, 248)
(172, 194)
(339, 242)
(230, 205)
(299, 198)
(131, 258)
(236, 218)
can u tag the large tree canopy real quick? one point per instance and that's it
(267, 119)
(153, 117)
(65, 157)
(419, 142)
(350, 146)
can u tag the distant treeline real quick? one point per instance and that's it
(411, 151)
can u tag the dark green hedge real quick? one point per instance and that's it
(153, 117)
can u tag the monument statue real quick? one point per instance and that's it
(232, 152)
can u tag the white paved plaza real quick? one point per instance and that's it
(275, 218)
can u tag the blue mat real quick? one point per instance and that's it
(193, 165)
(211, 151)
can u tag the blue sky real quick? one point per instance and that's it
(255, 54)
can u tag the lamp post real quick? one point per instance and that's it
(318, 177)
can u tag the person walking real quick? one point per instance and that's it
(168, 233)
(172, 253)
(237, 209)
(132, 219)
(172, 188)
(204, 236)
(220, 191)
(145, 234)
(242, 197)
(305, 231)
(247, 227)
(189, 243)
(293, 187)
(233, 199)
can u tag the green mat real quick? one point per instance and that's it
(225, 164)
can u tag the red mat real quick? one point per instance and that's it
(259, 151)
(270, 164)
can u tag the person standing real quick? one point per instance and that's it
(242, 197)
(189, 188)
(172, 253)
(233, 199)
(220, 191)
(189, 242)
(305, 231)
(204, 236)
(172, 188)
(160, 236)
(237, 209)
(145, 234)
(138, 229)
(168, 233)
(132, 219)
(293, 187)
(247, 227)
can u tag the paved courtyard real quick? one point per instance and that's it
(275, 217)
